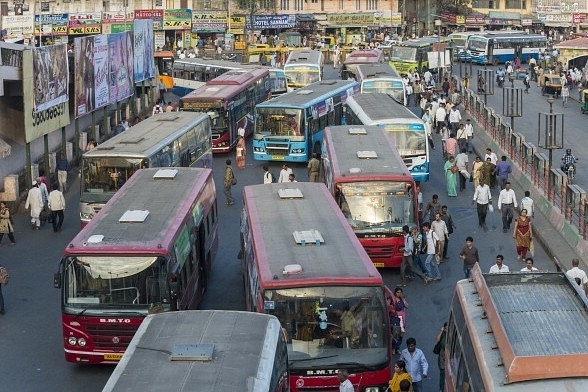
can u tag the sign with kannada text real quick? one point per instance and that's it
(351, 20)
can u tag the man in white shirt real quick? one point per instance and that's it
(345, 384)
(578, 275)
(439, 227)
(528, 204)
(529, 265)
(507, 202)
(499, 267)
(440, 115)
(454, 119)
(470, 134)
(491, 155)
(284, 174)
(482, 198)
(461, 161)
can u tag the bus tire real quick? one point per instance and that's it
(495, 61)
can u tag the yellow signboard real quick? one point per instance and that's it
(460, 19)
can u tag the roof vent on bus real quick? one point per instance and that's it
(192, 352)
(312, 236)
(165, 174)
(173, 118)
(288, 193)
(354, 170)
(292, 269)
(367, 155)
(134, 216)
(95, 239)
(303, 92)
(132, 141)
(357, 131)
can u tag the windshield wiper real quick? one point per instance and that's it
(80, 313)
(311, 359)
(356, 366)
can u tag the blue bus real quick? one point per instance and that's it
(407, 130)
(290, 127)
(500, 47)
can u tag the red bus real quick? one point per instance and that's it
(302, 263)
(230, 100)
(357, 57)
(373, 187)
(149, 250)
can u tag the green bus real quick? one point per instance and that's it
(407, 55)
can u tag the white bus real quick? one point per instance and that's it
(304, 67)
(500, 47)
(381, 78)
(204, 351)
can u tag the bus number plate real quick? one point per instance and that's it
(113, 356)
(277, 157)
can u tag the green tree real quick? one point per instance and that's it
(462, 7)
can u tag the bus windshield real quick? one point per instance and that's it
(104, 176)
(403, 53)
(115, 281)
(376, 206)
(408, 141)
(219, 120)
(332, 321)
(392, 87)
(478, 44)
(302, 76)
(279, 122)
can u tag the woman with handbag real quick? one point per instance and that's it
(451, 170)
(6, 224)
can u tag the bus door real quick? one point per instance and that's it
(491, 52)
(518, 52)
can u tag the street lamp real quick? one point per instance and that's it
(512, 102)
(552, 131)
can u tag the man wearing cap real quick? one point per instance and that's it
(35, 202)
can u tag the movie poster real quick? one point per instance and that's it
(84, 75)
(120, 75)
(101, 97)
(51, 76)
(144, 64)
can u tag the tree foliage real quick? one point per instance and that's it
(462, 7)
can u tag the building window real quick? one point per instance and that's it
(358, 5)
(372, 5)
(516, 4)
(267, 4)
(298, 5)
(284, 5)
(485, 4)
(341, 4)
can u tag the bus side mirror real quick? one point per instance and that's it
(57, 280)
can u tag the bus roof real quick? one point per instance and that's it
(422, 42)
(353, 142)
(238, 76)
(274, 221)
(190, 63)
(378, 108)
(238, 361)
(304, 56)
(372, 71)
(226, 86)
(148, 136)
(364, 56)
(507, 35)
(538, 321)
(163, 198)
(311, 94)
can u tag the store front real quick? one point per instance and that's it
(51, 28)
(177, 27)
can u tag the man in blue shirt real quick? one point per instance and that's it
(416, 364)
(503, 169)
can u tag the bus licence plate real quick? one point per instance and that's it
(277, 157)
(113, 356)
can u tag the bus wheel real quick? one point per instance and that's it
(495, 61)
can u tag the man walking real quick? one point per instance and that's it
(440, 228)
(499, 267)
(62, 167)
(430, 245)
(461, 161)
(469, 255)
(578, 275)
(3, 282)
(527, 204)
(416, 364)
(482, 198)
(313, 168)
(35, 202)
(503, 169)
(507, 202)
(56, 205)
(228, 181)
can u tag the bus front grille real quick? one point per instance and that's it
(379, 252)
(277, 149)
(111, 337)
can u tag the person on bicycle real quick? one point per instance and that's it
(568, 160)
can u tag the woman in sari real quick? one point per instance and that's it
(241, 150)
(477, 171)
(451, 176)
(523, 234)
(488, 173)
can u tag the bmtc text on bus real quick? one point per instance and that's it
(381, 78)
(149, 250)
(517, 332)
(373, 187)
(209, 351)
(407, 130)
(302, 263)
(290, 127)
(303, 67)
(229, 100)
(165, 140)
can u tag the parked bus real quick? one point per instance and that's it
(206, 350)
(407, 130)
(302, 263)
(373, 187)
(279, 84)
(357, 57)
(303, 67)
(164, 62)
(496, 48)
(290, 127)
(517, 332)
(407, 56)
(164, 140)
(229, 100)
(149, 250)
(381, 78)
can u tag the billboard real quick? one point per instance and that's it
(51, 76)
(91, 82)
(120, 74)
(143, 61)
(39, 122)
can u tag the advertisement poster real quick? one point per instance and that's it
(51, 76)
(120, 75)
(101, 97)
(144, 63)
(84, 75)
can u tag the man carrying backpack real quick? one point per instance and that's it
(3, 282)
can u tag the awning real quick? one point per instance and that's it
(557, 24)
(305, 18)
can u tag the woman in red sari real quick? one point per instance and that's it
(241, 152)
(523, 234)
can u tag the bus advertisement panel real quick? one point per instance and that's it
(373, 187)
(140, 255)
(381, 78)
(229, 100)
(210, 351)
(407, 130)
(165, 140)
(290, 127)
(302, 263)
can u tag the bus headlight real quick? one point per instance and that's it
(72, 340)
(86, 212)
(259, 149)
(81, 342)
(373, 389)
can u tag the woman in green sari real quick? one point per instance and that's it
(451, 176)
